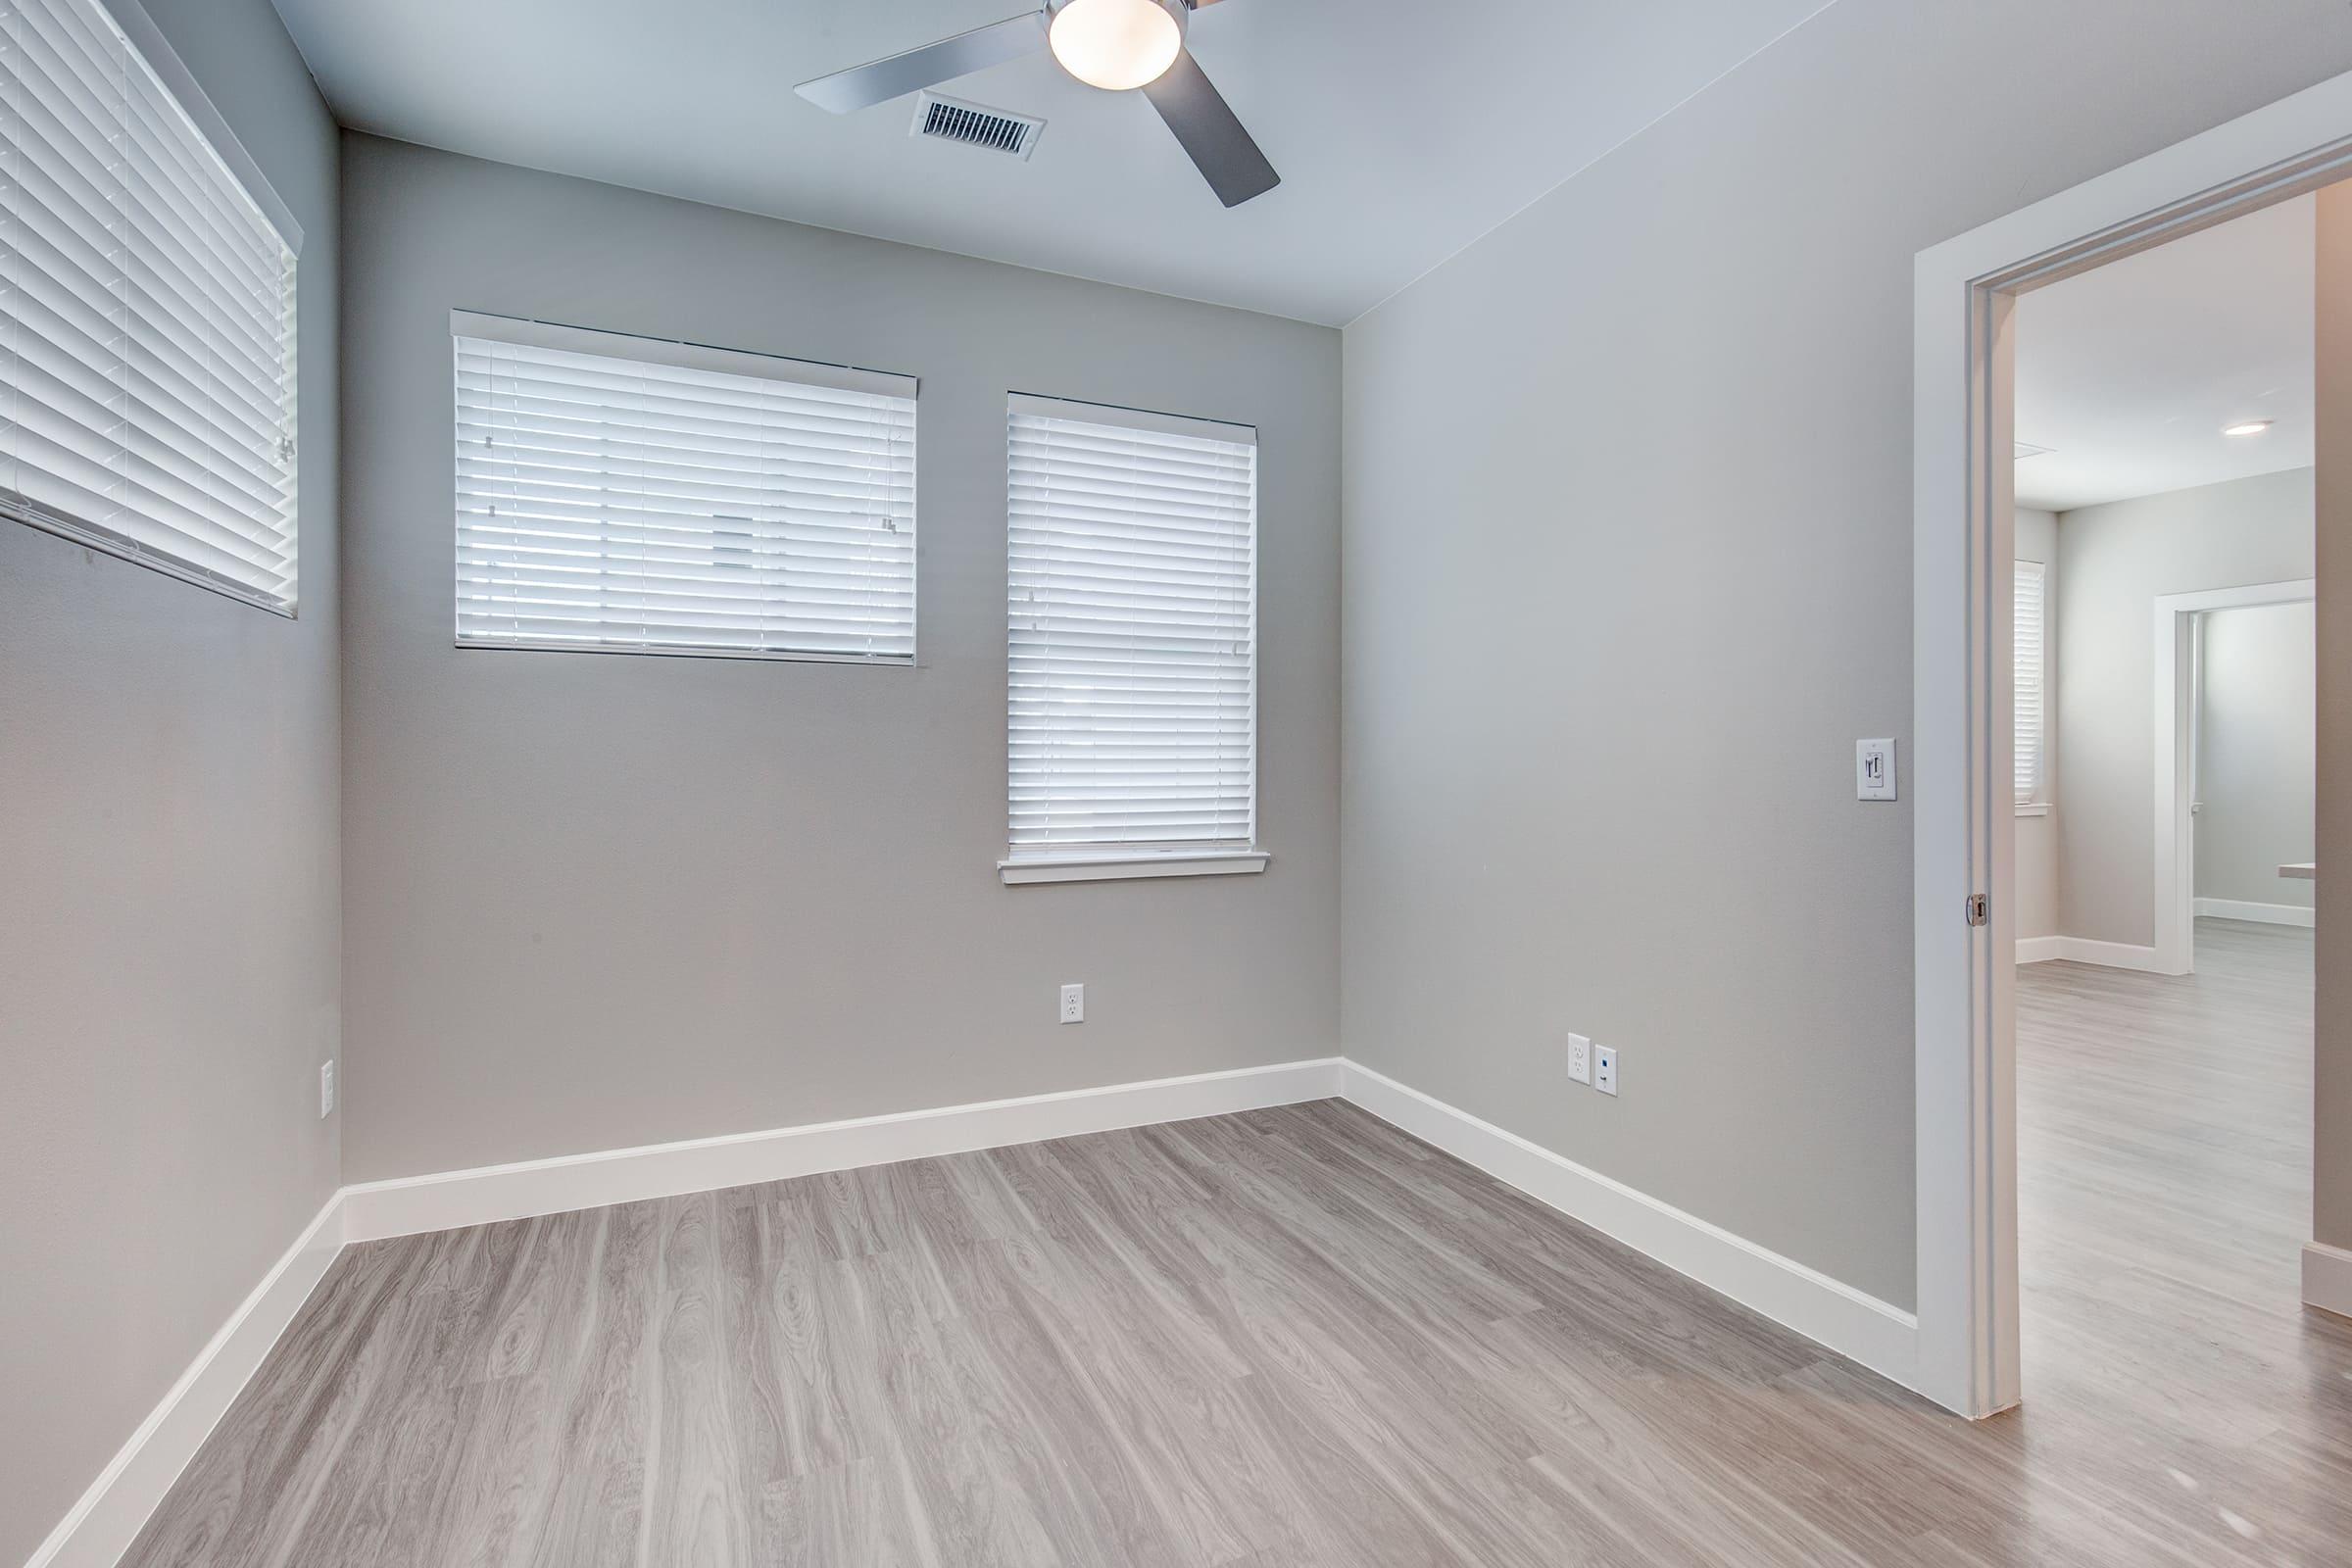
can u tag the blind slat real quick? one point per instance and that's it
(147, 316)
(613, 502)
(2031, 663)
(1132, 612)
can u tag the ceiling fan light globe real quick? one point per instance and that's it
(1117, 45)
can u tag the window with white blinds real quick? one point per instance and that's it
(1133, 600)
(2032, 706)
(147, 399)
(627, 495)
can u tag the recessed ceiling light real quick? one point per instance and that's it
(2246, 427)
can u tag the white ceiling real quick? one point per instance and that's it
(2128, 373)
(1403, 130)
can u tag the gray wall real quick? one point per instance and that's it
(1627, 570)
(598, 900)
(169, 906)
(2113, 561)
(2255, 761)
(2038, 835)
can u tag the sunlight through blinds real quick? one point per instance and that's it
(622, 494)
(147, 398)
(1133, 611)
(2031, 702)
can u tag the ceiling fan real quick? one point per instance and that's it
(1118, 45)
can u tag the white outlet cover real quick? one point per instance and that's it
(326, 1089)
(1580, 1058)
(1073, 1004)
(1604, 1069)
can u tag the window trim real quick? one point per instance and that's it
(1101, 862)
(1131, 866)
(685, 353)
(138, 29)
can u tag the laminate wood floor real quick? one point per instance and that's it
(1299, 1338)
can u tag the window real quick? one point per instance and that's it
(1133, 597)
(627, 495)
(2032, 706)
(147, 403)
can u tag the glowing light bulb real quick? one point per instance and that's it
(1115, 44)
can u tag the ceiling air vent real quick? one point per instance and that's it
(990, 129)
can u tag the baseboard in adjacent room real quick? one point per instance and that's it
(1860, 1327)
(2082, 950)
(447, 1199)
(2259, 913)
(101, 1526)
(2327, 1278)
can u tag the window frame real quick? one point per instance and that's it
(1111, 860)
(147, 45)
(680, 354)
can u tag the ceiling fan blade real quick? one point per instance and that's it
(880, 81)
(1210, 132)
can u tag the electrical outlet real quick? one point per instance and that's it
(1605, 1068)
(326, 1089)
(1073, 1004)
(1580, 1058)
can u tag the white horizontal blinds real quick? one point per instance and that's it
(2031, 682)
(1134, 632)
(625, 494)
(147, 397)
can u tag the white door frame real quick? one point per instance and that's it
(2176, 698)
(1963, 821)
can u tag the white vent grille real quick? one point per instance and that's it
(989, 129)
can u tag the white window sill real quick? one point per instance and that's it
(2036, 808)
(1096, 866)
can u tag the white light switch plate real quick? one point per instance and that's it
(1874, 770)
(1580, 1058)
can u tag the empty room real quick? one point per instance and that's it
(2165, 818)
(1197, 783)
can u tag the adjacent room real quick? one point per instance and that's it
(1194, 783)
(2164, 705)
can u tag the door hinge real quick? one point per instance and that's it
(1979, 909)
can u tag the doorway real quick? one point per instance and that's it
(1964, 822)
(2184, 875)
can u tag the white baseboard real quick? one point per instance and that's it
(101, 1526)
(447, 1199)
(2260, 914)
(2327, 1278)
(1883, 1337)
(2082, 950)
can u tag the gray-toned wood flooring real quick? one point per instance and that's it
(1299, 1338)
